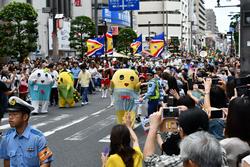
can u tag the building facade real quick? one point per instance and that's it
(168, 16)
(211, 21)
(199, 24)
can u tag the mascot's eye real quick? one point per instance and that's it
(46, 75)
(132, 78)
(61, 80)
(38, 75)
(121, 77)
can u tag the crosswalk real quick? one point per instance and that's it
(52, 125)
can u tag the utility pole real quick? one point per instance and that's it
(149, 22)
(54, 10)
(245, 37)
(96, 18)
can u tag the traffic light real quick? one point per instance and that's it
(218, 2)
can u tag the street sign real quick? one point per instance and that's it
(116, 5)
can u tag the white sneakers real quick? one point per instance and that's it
(85, 103)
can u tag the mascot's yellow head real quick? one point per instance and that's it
(125, 78)
(65, 79)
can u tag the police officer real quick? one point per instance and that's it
(154, 94)
(23, 146)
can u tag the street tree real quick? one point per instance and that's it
(18, 30)
(124, 39)
(82, 28)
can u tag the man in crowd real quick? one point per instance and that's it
(23, 145)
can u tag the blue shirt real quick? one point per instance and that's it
(26, 150)
(151, 89)
(75, 72)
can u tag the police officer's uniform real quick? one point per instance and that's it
(154, 94)
(28, 149)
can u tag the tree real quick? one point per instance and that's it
(18, 30)
(82, 28)
(125, 38)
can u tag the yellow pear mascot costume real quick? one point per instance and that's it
(125, 85)
(66, 89)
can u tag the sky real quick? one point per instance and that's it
(223, 20)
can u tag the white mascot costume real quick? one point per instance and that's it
(40, 84)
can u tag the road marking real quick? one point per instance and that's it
(50, 132)
(33, 118)
(107, 138)
(83, 134)
(58, 118)
(100, 111)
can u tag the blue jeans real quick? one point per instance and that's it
(84, 92)
(152, 106)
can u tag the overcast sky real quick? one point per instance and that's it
(223, 20)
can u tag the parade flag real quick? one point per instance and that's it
(157, 45)
(137, 45)
(95, 46)
(109, 38)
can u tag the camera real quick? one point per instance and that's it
(215, 81)
(216, 113)
(170, 112)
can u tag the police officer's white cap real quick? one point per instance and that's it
(18, 105)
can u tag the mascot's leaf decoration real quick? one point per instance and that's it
(66, 89)
(125, 85)
(40, 84)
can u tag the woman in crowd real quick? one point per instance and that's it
(237, 130)
(121, 153)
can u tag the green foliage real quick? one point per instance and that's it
(18, 30)
(82, 28)
(125, 38)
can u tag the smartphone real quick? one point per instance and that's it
(242, 81)
(170, 112)
(165, 99)
(216, 114)
(190, 84)
(105, 150)
(201, 86)
(170, 101)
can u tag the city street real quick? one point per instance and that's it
(78, 135)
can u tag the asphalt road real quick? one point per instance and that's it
(78, 135)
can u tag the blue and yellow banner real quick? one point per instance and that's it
(156, 45)
(109, 38)
(95, 46)
(137, 45)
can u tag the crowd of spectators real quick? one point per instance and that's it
(213, 126)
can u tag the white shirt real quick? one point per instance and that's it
(54, 75)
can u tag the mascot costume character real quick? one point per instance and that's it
(66, 89)
(40, 84)
(125, 86)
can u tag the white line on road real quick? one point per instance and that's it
(107, 138)
(59, 118)
(48, 133)
(83, 134)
